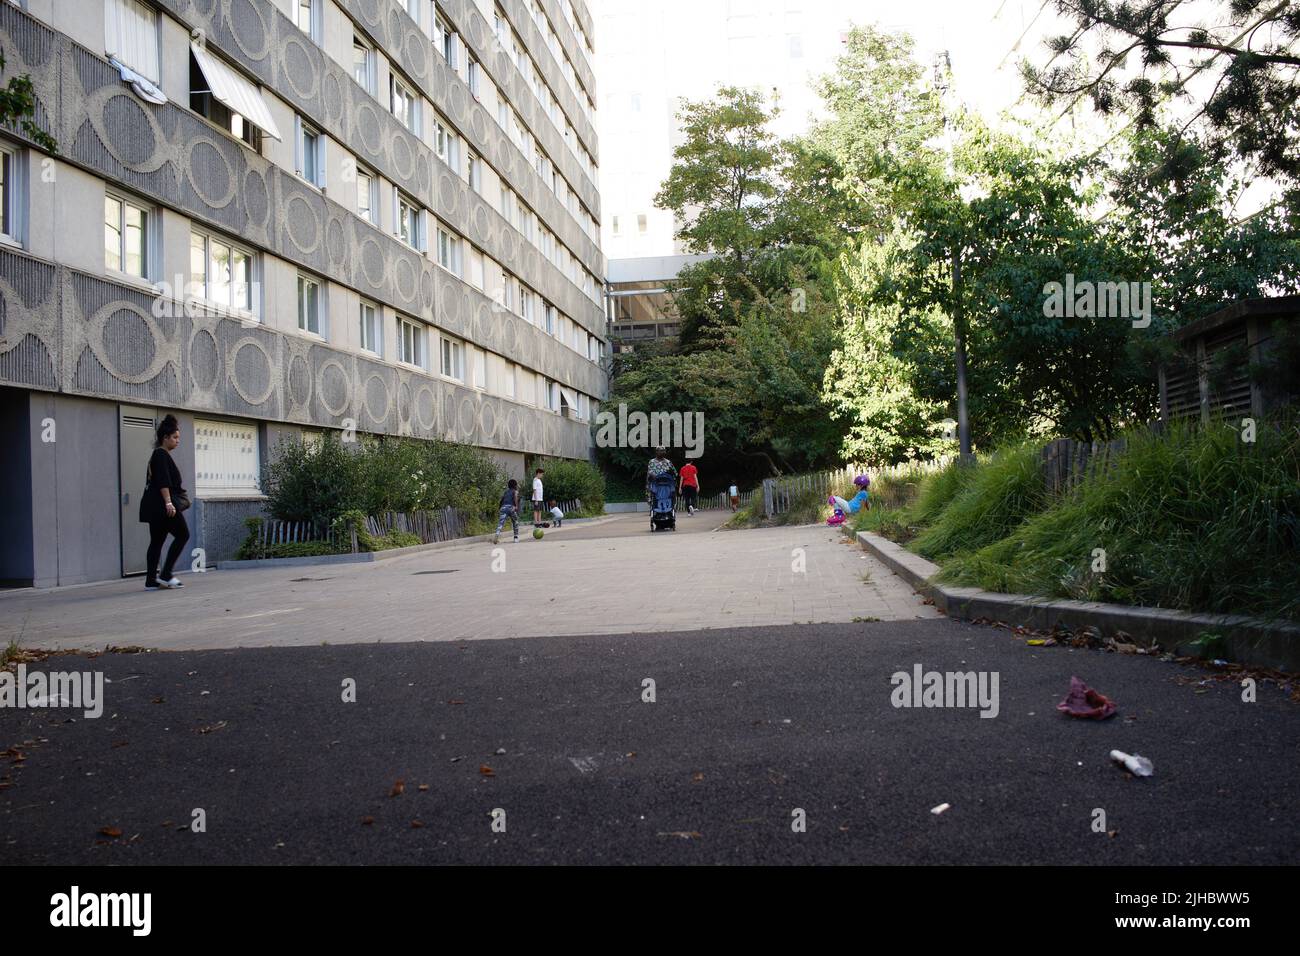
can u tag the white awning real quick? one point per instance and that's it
(235, 91)
(570, 397)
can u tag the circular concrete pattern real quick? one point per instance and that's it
(508, 250)
(332, 387)
(130, 132)
(477, 123)
(368, 128)
(483, 323)
(403, 156)
(128, 342)
(478, 221)
(487, 421)
(300, 65)
(426, 407)
(251, 367)
(448, 195)
(333, 94)
(510, 334)
(514, 426)
(449, 313)
(457, 102)
(426, 289)
(404, 402)
(209, 173)
(377, 398)
(299, 381)
(204, 366)
(257, 199)
(370, 11)
(336, 247)
(415, 53)
(466, 419)
(405, 281)
(304, 228)
(249, 29)
(372, 262)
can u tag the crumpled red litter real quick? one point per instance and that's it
(1083, 701)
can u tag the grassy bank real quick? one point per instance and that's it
(1195, 519)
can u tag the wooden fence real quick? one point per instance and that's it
(1067, 462)
(780, 494)
(428, 526)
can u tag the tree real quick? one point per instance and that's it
(1149, 51)
(18, 108)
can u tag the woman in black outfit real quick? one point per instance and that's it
(161, 505)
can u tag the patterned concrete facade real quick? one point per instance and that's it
(78, 331)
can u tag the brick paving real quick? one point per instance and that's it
(607, 577)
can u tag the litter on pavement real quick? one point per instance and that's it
(1138, 766)
(1083, 701)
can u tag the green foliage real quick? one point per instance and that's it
(1195, 520)
(567, 479)
(319, 483)
(253, 549)
(938, 491)
(18, 109)
(997, 496)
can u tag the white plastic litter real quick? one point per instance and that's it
(940, 808)
(1138, 766)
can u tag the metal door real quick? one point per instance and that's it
(135, 445)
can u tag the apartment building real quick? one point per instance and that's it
(274, 218)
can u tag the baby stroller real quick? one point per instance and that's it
(663, 514)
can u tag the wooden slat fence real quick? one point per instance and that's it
(1067, 462)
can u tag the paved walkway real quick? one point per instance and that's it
(608, 577)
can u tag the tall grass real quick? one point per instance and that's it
(1195, 519)
(984, 504)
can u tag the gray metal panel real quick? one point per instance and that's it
(136, 432)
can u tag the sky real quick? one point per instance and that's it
(650, 55)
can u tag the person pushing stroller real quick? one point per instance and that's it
(661, 489)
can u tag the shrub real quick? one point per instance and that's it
(316, 483)
(569, 478)
(1194, 519)
(993, 500)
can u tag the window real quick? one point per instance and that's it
(796, 46)
(472, 76)
(131, 36)
(526, 305)
(548, 313)
(474, 172)
(615, 225)
(552, 396)
(446, 145)
(641, 223)
(363, 65)
(8, 195)
(405, 106)
(126, 235)
(508, 386)
(480, 369)
(310, 153)
(214, 85)
(367, 196)
(507, 290)
(221, 271)
(308, 305)
(445, 40)
(226, 458)
(369, 317)
(453, 359)
(410, 339)
(448, 251)
(507, 203)
(476, 276)
(409, 221)
(306, 17)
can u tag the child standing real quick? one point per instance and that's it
(556, 513)
(734, 494)
(538, 497)
(509, 509)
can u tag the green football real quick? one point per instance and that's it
(537, 533)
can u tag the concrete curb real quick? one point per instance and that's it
(1247, 640)
(367, 557)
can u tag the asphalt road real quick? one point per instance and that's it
(748, 726)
